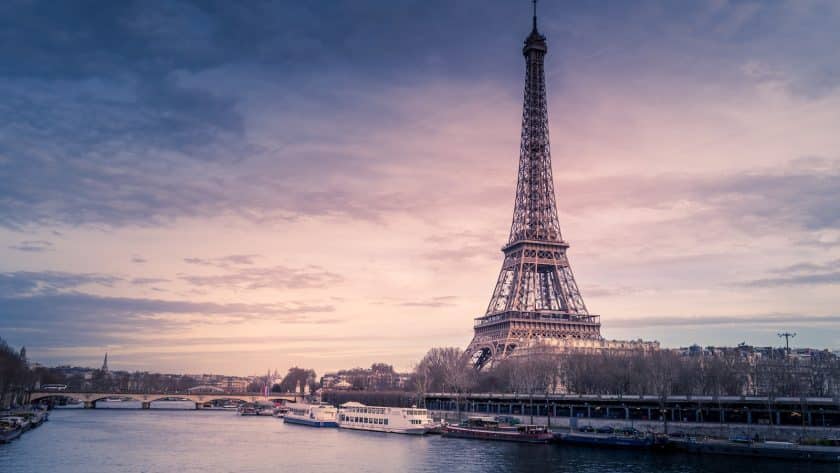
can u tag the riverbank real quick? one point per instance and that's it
(783, 433)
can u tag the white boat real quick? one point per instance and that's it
(313, 415)
(398, 420)
(20, 421)
(10, 429)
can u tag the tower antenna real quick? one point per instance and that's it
(535, 14)
(787, 336)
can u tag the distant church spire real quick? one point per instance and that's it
(105, 362)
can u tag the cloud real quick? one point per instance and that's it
(593, 290)
(729, 320)
(800, 274)
(45, 308)
(463, 246)
(70, 319)
(223, 261)
(757, 201)
(33, 246)
(147, 281)
(267, 277)
(809, 267)
(800, 280)
(49, 282)
(434, 302)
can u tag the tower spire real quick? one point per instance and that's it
(535, 14)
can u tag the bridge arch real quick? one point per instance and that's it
(125, 398)
(159, 398)
(226, 398)
(34, 397)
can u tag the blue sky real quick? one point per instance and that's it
(200, 186)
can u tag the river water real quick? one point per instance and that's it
(160, 440)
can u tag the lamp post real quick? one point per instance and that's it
(664, 417)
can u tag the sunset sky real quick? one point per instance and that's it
(231, 187)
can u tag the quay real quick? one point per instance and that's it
(775, 450)
(705, 411)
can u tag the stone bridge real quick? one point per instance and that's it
(91, 397)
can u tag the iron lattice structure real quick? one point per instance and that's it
(536, 300)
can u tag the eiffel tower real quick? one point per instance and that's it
(536, 301)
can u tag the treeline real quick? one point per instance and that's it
(662, 373)
(15, 375)
(77, 379)
(296, 379)
(379, 377)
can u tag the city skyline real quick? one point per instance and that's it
(330, 187)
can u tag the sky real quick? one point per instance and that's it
(231, 187)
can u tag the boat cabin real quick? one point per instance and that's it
(481, 422)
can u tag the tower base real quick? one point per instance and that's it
(484, 353)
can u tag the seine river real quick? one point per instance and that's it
(158, 440)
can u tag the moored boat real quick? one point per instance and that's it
(398, 420)
(639, 441)
(35, 417)
(256, 409)
(313, 415)
(248, 409)
(750, 448)
(9, 430)
(21, 421)
(487, 428)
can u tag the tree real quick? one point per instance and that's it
(533, 373)
(15, 376)
(447, 370)
(297, 378)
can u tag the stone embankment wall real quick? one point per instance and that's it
(766, 432)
